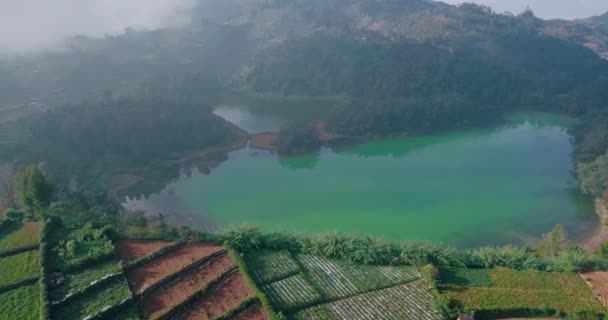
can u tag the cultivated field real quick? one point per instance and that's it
(253, 312)
(163, 300)
(18, 236)
(79, 280)
(130, 251)
(93, 302)
(188, 281)
(220, 298)
(598, 281)
(411, 301)
(19, 268)
(504, 289)
(154, 271)
(21, 303)
(311, 287)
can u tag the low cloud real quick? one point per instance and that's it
(30, 25)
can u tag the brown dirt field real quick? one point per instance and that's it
(254, 312)
(161, 267)
(129, 251)
(598, 281)
(162, 301)
(220, 299)
(264, 141)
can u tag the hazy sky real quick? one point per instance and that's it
(548, 9)
(33, 24)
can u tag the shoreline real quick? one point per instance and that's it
(600, 235)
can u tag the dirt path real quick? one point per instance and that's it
(600, 235)
(150, 273)
(163, 300)
(129, 251)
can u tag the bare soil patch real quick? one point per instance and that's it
(129, 251)
(598, 281)
(264, 141)
(164, 300)
(157, 269)
(254, 312)
(220, 299)
(600, 235)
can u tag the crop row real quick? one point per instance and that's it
(270, 266)
(292, 292)
(92, 303)
(77, 281)
(327, 277)
(20, 303)
(411, 301)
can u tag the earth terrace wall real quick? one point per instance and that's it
(162, 251)
(176, 310)
(176, 276)
(91, 288)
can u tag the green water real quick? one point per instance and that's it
(507, 184)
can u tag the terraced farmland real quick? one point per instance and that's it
(328, 289)
(411, 301)
(19, 271)
(187, 281)
(492, 290)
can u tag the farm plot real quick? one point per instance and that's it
(77, 281)
(130, 251)
(19, 268)
(337, 279)
(270, 266)
(20, 236)
(159, 268)
(412, 301)
(20, 303)
(518, 290)
(94, 302)
(598, 281)
(327, 277)
(163, 300)
(292, 292)
(221, 298)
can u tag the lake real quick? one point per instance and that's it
(507, 184)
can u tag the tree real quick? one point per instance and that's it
(594, 176)
(34, 191)
(554, 242)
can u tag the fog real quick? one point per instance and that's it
(29, 25)
(547, 9)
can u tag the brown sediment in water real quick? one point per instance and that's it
(600, 234)
(264, 141)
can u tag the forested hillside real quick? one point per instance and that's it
(399, 67)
